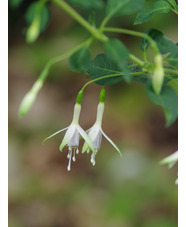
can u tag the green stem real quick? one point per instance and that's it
(104, 22)
(171, 71)
(100, 78)
(142, 64)
(33, 31)
(32, 93)
(175, 11)
(134, 33)
(68, 9)
(54, 60)
(136, 60)
(109, 76)
(133, 65)
(145, 55)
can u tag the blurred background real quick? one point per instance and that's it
(132, 191)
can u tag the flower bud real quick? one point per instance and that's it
(158, 74)
(33, 31)
(29, 98)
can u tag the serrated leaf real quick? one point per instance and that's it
(118, 53)
(80, 60)
(123, 7)
(147, 12)
(173, 58)
(103, 66)
(44, 16)
(165, 45)
(90, 4)
(168, 100)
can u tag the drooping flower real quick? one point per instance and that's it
(71, 138)
(171, 161)
(95, 134)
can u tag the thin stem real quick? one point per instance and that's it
(104, 22)
(134, 33)
(32, 93)
(175, 11)
(93, 30)
(136, 60)
(109, 76)
(171, 71)
(132, 65)
(145, 55)
(54, 60)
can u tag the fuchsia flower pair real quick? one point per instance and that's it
(92, 139)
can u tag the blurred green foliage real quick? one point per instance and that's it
(134, 191)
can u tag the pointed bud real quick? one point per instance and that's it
(33, 31)
(158, 75)
(29, 98)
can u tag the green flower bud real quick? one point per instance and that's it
(158, 74)
(29, 98)
(33, 31)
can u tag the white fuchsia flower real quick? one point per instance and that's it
(95, 134)
(171, 161)
(71, 138)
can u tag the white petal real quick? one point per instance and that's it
(170, 160)
(94, 132)
(86, 138)
(113, 144)
(69, 133)
(97, 141)
(74, 140)
(88, 129)
(55, 134)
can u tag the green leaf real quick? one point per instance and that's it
(173, 3)
(80, 60)
(141, 78)
(123, 7)
(147, 12)
(15, 3)
(43, 17)
(168, 100)
(103, 66)
(90, 4)
(165, 45)
(173, 58)
(118, 53)
(174, 84)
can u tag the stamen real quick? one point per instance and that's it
(88, 150)
(69, 162)
(74, 157)
(69, 150)
(77, 151)
(92, 160)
